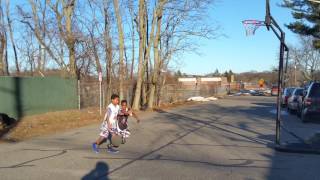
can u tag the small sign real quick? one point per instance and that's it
(261, 82)
(100, 76)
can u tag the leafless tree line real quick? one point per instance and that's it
(131, 42)
(305, 62)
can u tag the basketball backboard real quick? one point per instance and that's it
(268, 15)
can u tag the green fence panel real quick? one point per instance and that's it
(20, 96)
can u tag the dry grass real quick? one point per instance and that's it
(61, 121)
(53, 122)
(177, 104)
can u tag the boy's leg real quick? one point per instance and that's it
(100, 140)
(111, 148)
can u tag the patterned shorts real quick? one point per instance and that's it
(104, 134)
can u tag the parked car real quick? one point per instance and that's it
(300, 99)
(256, 93)
(267, 92)
(243, 92)
(293, 99)
(274, 91)
(310, 106)
(287, 92)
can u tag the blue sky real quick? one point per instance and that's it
(236, 51)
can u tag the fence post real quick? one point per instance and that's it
(79, 95)
(100, 93)
(103, 97)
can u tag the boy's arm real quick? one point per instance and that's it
(107, 117)
(135, 116)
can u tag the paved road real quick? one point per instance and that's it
(226, 139)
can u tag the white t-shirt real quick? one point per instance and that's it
(111, 114)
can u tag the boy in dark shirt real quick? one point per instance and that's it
(124, 114)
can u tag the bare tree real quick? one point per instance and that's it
(142, 36)
(43, 25)
(121, 47)
(307, 58)
(4, 69)
(108, 45)
(92, 28)
(157, 65)
(64, 20)
(9, 21)
(32, 21)
(132, 21)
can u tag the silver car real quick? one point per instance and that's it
(293, 99)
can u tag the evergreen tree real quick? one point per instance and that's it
(307, 18)
(216, 73)
(178, 73)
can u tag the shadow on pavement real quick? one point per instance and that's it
(240, 128)
(255, 124)
(100, 172)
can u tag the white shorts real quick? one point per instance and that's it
(104, 134)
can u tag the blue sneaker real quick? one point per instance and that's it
(112, 150)
(95, 148)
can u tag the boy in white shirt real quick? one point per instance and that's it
(109, 125)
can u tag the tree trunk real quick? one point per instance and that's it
(156, 54)
(142, 30)
(121, 47)
(11, 36)
(144, 92)
(132, 53)
(132, 61)
(70, 39)
(41, 63)
(2, 49)
(95, 53)
(108, 50)
(3, 45)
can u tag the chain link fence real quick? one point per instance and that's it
(169, 93)
(176, 92)
(89, 92)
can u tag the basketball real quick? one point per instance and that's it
(116, 140)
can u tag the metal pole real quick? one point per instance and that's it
(280, 80)
(103, 97)
(100, 98)
(295, 73)
(285, 83)
(79, 95)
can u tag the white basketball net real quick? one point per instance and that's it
(251, 26)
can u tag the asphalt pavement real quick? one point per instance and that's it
(229, 138)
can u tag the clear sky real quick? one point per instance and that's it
(236, 51)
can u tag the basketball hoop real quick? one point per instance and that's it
(251, 26)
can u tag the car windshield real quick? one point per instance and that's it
(288, 91)
(315, 90)
(298, 91)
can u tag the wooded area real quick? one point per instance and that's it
(128, 41)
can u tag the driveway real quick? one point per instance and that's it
(230, 138)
